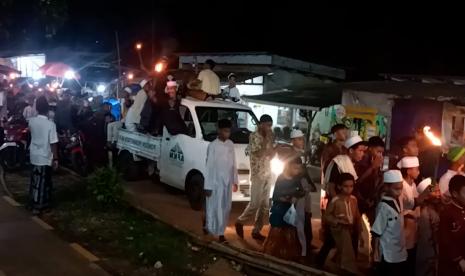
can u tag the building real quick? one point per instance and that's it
(264, 73)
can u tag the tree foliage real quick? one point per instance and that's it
(22, 21)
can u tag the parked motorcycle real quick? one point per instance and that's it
(14, 143)
(72, 152)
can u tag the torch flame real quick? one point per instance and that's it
(428, 133)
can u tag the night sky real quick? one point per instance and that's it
(382, 38)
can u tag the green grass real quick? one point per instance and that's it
(119, 233)
(126, 232)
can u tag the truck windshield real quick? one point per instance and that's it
(243, 122)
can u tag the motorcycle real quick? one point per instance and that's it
(72, 152)
(14, 143)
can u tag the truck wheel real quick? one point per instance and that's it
(194, 191)
(128, 168)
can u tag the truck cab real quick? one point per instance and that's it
(181, 158)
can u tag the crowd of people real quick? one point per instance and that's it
(412, 220)
(150, 108)
(415, 226)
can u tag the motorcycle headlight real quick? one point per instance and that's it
(277, 166)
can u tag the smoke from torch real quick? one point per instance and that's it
(428, 133)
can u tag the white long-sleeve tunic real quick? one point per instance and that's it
(220, 176)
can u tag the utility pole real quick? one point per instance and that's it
(118, 84)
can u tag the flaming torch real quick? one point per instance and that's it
(435, 141)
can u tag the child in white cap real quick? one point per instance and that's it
(388, 229)
(304, 204)
(411, 199)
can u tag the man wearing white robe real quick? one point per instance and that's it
(133, 115)
(220, 180)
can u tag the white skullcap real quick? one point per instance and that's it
(392, 176)
(143, 83)
(353, 141)
(425, 183)
(296, 133)
(127, 89)
(171, 83)
(409, 162)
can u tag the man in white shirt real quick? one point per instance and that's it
(231, 91)
(210, 80)
(133, 115)
(43, 155)
(456, 156)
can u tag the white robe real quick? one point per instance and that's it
(221, 175)
(133, 116)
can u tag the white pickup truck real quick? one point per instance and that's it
(180, 159)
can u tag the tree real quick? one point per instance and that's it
(33, 20)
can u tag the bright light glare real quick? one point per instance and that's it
(13, 76)
(130, 76)
(139, 46)
(90, 99)
(101, 88)
(70, 74)
(428, 133)
(277, 166)
(159, 67)
(37, 75)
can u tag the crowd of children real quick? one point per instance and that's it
(416, 226)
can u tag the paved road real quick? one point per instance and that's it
(172, 207)
(28, 249)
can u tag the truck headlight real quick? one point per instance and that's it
(277, 166)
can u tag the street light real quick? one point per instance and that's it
(159, 67)
(101, 88)
(13, 76)
(130, 76)
(70, 74)
(139, 46)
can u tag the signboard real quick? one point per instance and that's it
(140, 144)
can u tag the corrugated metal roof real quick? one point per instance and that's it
(317, 97)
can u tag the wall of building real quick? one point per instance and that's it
(281, 79)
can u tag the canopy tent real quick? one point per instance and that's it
(308, 98)
(5, 70)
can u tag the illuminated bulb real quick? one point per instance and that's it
(277, 166)
(101, 88)
(70, 74)
(159, 67)
(139, 46)
(130, 76)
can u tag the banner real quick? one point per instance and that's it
(140, 144)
